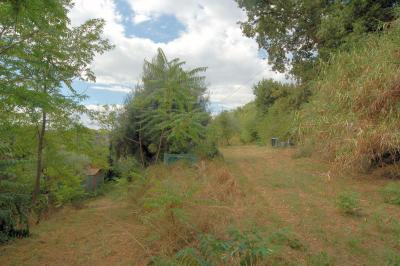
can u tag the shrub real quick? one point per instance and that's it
(70, 190)
(15, 198)
(391, 193)
(348, 203)
(65, 178)
(127, 167)
(14, 209)
(208, 147)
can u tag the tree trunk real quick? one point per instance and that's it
(140, 145)
(159, 145)
(39, 165)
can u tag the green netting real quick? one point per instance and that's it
(172, 158)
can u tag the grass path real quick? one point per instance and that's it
(101, 233)
(300, 195)
(281, 193)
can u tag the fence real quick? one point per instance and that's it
(275, 142)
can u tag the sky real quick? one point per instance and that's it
(200, 32)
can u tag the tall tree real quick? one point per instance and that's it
(295, 33)
(40, 53)
(167, 112)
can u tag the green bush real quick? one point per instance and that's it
(207, 148)
(127, 167)
(348, 203)
(391, 193)
(70, 190)
(65, 171)
(15, 203)
(15, 197)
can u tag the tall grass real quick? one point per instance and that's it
(353, 116)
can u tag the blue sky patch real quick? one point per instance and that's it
(96, 96)
(160, 29)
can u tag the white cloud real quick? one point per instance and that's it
(212, 38)
(98, 107)
(139, 18)
(93, 124)
(114, 88)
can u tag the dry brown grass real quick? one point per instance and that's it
(353, 117)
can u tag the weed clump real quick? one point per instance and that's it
(238, 248)
(320, 259)
(305, 150)
(348, 203)
(391, 193)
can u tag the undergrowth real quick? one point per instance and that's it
(191, 217)
(239, 248)
(353, 116)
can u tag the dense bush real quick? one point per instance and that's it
(126, 167)
(15, 204)
(15, 198)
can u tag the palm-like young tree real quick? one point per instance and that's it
(169, 108)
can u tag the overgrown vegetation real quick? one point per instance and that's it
(353, 115)
(258, 207)
(348, 110)
(46, 149)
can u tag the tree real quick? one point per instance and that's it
(40, 53)
(166, 113)
(267, 91)
(296, 33)
(226, 126)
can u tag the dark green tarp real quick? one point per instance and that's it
(172, 158)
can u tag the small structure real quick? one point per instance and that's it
(94, 179)
(275, 142)
(173, 158)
